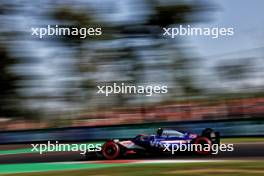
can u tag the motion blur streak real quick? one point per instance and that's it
(49, 85)
(53, 82)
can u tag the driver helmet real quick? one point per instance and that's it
(159, 131)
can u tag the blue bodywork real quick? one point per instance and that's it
(169, 138)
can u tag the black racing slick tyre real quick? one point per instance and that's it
(212, 135)
(111, 150)
(204, 147)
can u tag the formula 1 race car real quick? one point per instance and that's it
(162, 142)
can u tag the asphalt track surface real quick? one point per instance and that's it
(242, 151)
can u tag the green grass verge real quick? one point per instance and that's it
(228, 168)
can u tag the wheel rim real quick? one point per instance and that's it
(203, 141)
(111, 150)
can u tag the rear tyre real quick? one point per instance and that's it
(207, 132)
(203, 146)
(111, 150)
(213, 136)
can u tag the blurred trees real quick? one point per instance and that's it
(131, 38)
(131, 51)
(10, 102)
(234, 71)
(9, 105)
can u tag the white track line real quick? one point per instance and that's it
(179, 161)
(143, 161)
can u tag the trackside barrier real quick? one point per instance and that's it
(227, 128)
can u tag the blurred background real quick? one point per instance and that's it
(52, 82)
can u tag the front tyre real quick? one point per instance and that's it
(111, 150)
